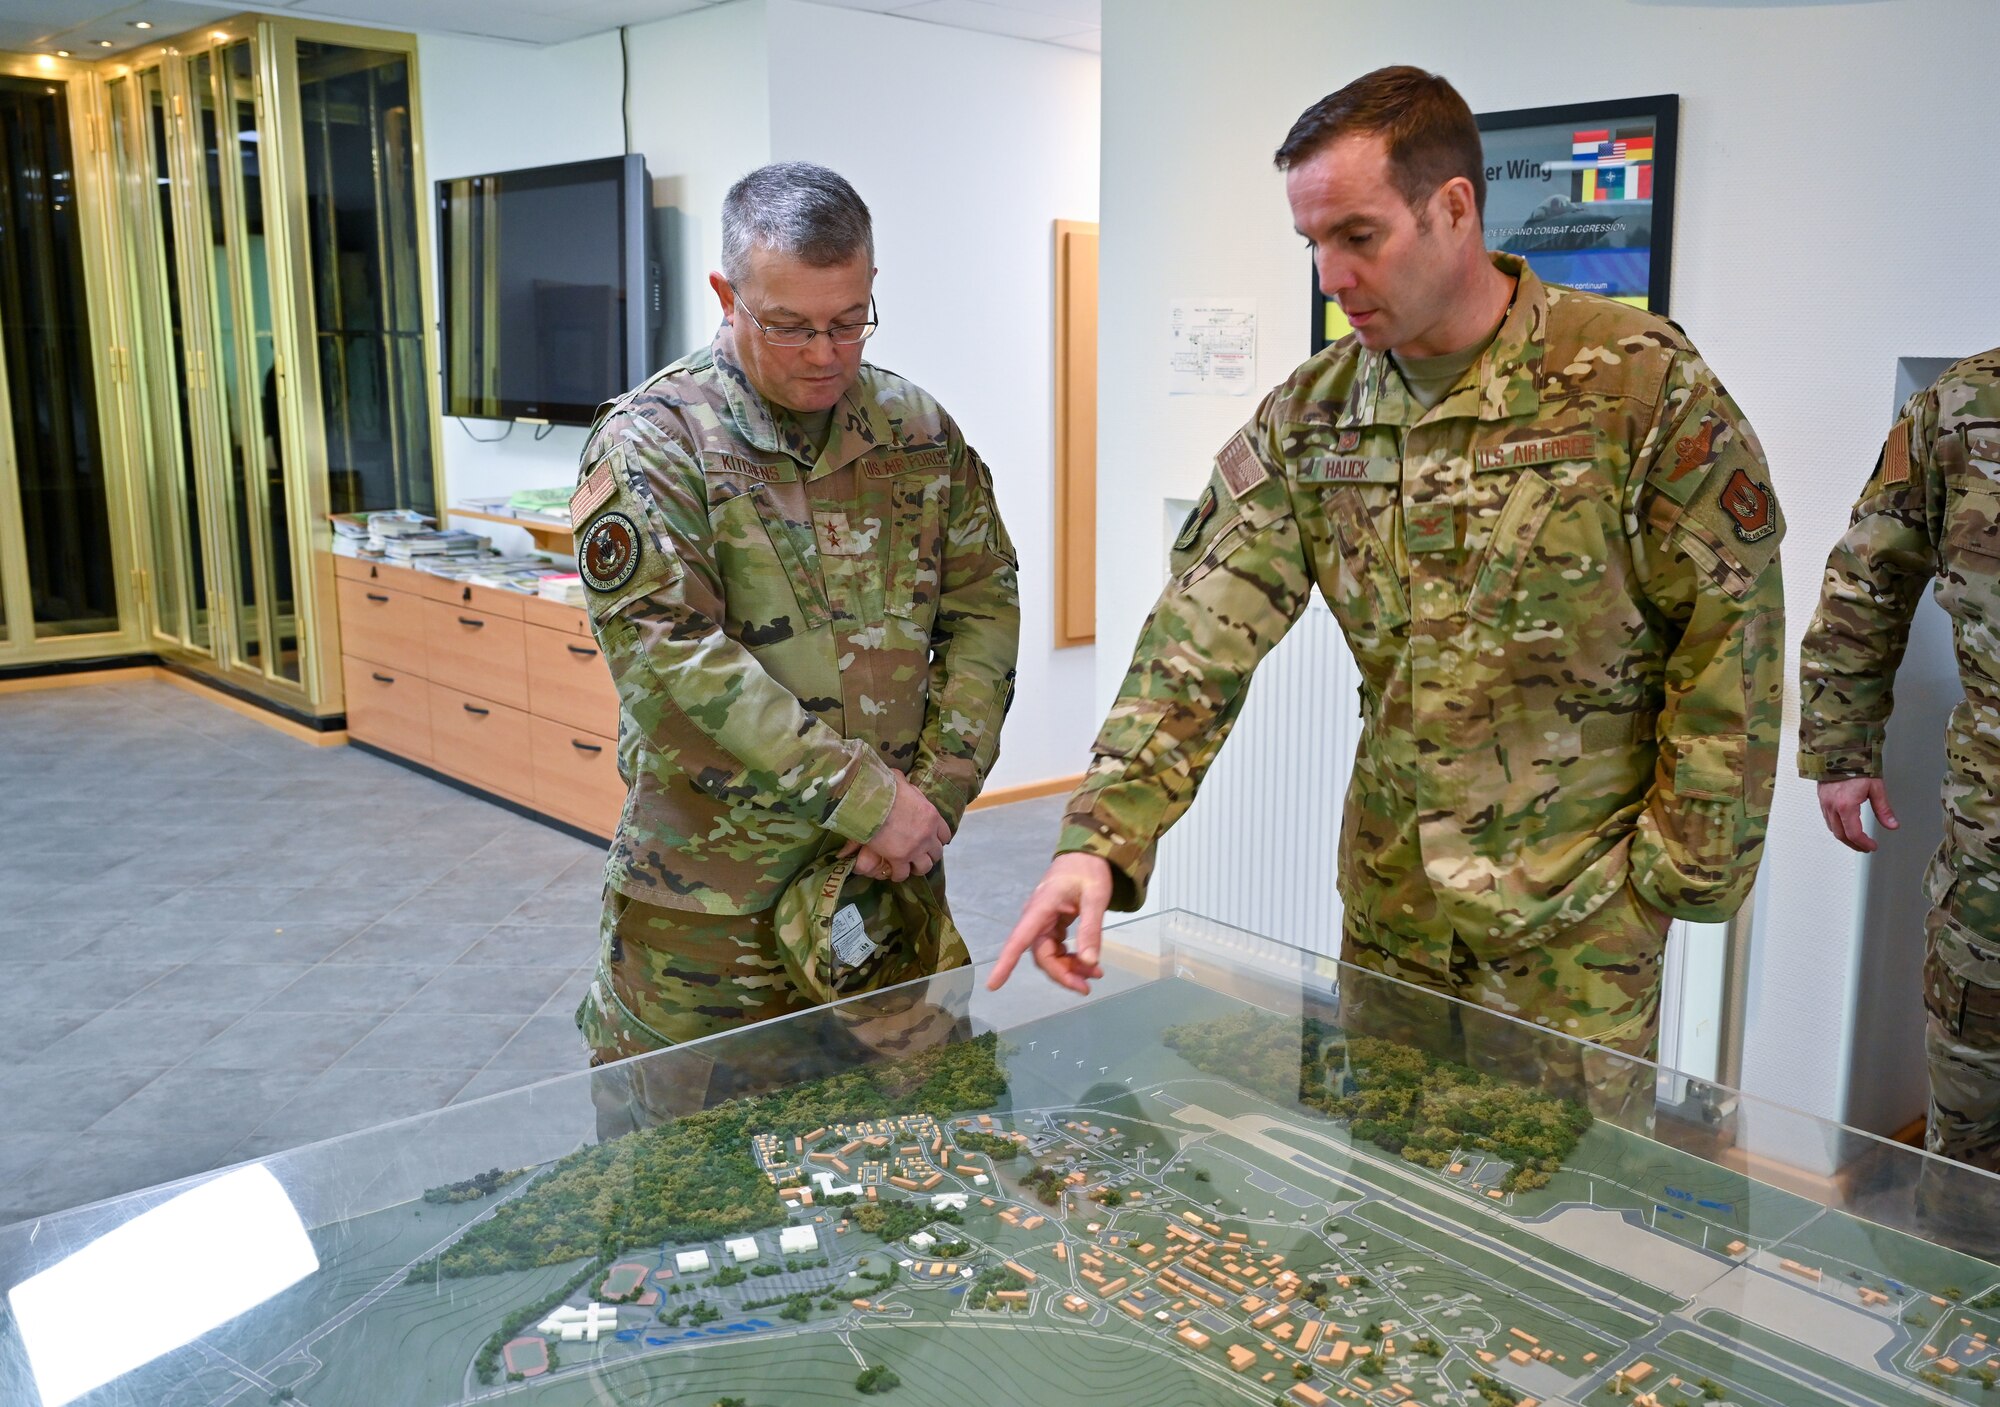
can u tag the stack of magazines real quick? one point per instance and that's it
(565, 589)
(436, 542)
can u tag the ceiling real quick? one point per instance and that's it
(101, 28)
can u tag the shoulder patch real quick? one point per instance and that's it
(1239, 465)
(1896, 455)
(593, 492)
(1197, 519)
(1751, 509)
(609, 553)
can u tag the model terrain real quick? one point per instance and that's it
(1167, 1196)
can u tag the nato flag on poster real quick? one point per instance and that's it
(1576, 202)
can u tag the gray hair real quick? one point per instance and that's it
(797, 209)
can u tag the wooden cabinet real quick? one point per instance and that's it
(388, 707)
(477, 651)
(481, 740)
(381, 625)
(576, 775)
(567, 679)
(507, 693)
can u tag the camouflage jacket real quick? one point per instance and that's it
(787, 626)
(1930, 511)
(1561, 586)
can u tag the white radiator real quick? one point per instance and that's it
(1256, 850)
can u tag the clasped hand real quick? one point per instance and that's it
(911, 841)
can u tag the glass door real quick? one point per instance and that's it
(160, 364)
(362, 215)
(262, 598)
(59, 569)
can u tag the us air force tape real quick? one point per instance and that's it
(609, 553)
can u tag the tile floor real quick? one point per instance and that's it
(217, 941)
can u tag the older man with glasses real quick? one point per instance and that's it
(799, 577)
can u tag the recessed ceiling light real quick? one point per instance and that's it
(142, 24)
(218, 34)
(104, 44)
(62, 53)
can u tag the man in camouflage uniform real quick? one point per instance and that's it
(801, 583)
(1550, 538)
(1931, 510)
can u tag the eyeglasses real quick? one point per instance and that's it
(841, 334)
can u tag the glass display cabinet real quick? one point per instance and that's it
(269, 267)
(1226, 1176)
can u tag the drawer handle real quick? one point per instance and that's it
(586, 747)
(382, 678)
(482, 712)
(378, 598)
(475, 624)
(579, 650)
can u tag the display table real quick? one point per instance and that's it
(1194, 1186)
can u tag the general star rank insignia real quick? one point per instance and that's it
(609, 553)
(1748, 504)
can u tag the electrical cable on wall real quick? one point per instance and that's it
(481, 439)
(625, 87)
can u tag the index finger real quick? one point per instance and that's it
(1036, 921)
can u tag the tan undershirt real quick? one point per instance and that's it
(1431, 379)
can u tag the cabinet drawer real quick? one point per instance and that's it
(555, 616)
(388, 708)
(476, 652)
(382, 624)
(480, 741)
(576, 776)
(485, 599)
(569, 682)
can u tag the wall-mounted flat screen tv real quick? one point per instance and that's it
(552, 296)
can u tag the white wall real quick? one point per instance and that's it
(701, 114)
(488, 106)
(972, 145)
(1832, 217)
(966, 148)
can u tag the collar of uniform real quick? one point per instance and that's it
(858, 424)
(754, 421)
(1508, 373)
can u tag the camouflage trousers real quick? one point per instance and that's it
(1962, 1041)
(667, 977)
(1597, 982)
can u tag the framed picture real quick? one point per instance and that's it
(1584, 192)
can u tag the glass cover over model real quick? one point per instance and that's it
(1236, 1173)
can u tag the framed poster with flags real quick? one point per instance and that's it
(1584, 192)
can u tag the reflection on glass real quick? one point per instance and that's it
(225, 1246)
(172, 426)
(264, 602)
(145, 267)
(261, 349)
(45, 331)
(236, 490)
(367, 285)
(1197, 1175)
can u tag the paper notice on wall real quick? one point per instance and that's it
(1212, 347)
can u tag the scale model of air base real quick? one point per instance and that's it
(1165, 1197)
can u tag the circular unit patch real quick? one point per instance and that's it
(609, 554)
